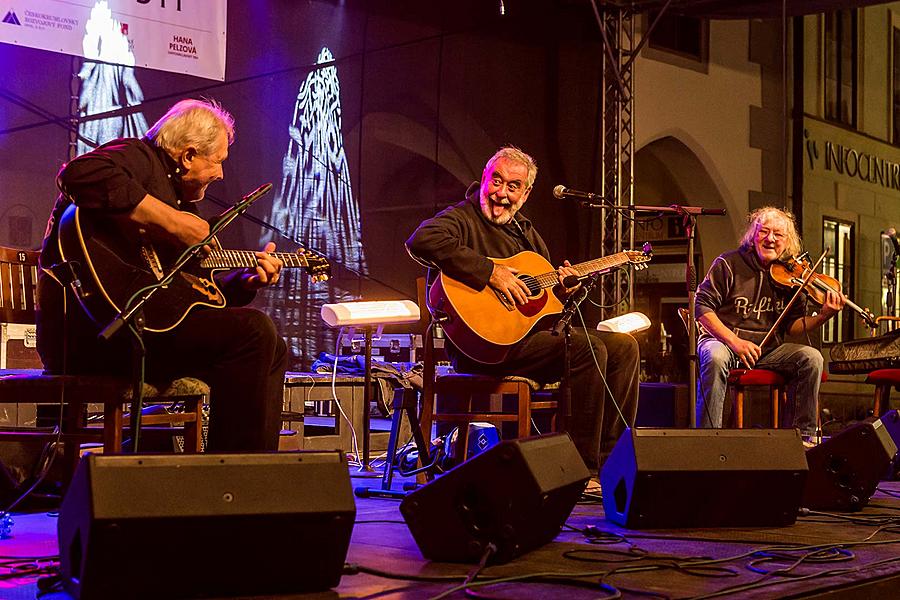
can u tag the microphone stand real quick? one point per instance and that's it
(689, 216)
(133, 313)
(564, 327)
(891, 277)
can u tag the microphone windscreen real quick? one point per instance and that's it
(570, 281)
(559, 191)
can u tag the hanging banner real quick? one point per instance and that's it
(181, 36)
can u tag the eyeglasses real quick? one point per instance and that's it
(765, 232)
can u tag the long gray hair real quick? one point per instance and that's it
(766, 215)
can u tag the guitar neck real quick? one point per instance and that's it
(548, 280)
(236, 259)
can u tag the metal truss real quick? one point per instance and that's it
(617, 150)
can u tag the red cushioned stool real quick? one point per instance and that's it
(738, 379)
(883, 380)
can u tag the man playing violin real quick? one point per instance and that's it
(738, 303)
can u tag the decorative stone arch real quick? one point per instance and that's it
(669, 171)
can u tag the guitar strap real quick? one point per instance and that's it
(518, 232)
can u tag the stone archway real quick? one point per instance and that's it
(668, 171)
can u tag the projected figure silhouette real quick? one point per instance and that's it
(315, 207)
(107, 87)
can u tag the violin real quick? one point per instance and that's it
(792, 272)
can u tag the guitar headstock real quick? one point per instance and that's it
(639, 259)
(317, 266)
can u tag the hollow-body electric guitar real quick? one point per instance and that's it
(113, 262)
(484, 324)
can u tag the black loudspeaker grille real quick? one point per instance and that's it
(845, 470)
(676, 478)
(516, 495)
(179, 526)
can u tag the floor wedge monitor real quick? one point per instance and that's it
(516, 495)
(844, 470)
(201, 525)
(676, 478)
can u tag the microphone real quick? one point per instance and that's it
(562, 192)
(253, 196)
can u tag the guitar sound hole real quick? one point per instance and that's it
(534, 288)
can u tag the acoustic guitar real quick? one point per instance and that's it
(114, 262)
(483, 324)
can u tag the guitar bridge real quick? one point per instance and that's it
(152, 261)
(505, 301)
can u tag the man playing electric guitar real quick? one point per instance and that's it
(459, 240)
(152, 183)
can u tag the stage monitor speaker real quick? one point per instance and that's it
(844, 471)
(200, 525)
(891, 422)
(516, 495)
(674, 478)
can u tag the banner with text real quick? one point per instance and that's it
(181, 36)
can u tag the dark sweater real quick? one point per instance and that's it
(110, 180)
(739, 290)
(459, 240)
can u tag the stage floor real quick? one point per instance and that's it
(850, 555)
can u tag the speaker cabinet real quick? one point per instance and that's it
(891, 422)
(516, 495)
(671, 478)
(844, 471)
(195, 525)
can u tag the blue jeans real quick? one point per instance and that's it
(800, 365)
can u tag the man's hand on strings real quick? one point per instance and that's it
(504, 281)
(564, 271)
(745, 350)
(268, 269)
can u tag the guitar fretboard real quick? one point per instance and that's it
(236, 259)
(548, 280)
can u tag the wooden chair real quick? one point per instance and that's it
(18, 284)
(460, 399)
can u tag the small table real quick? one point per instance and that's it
(300, 388)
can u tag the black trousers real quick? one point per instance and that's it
(595, 424)
(237, 351)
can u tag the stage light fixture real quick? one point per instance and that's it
(632, 322)
(369, 316)
(379, 312)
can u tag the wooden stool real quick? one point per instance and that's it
(75, 392)
(738, 379)
(455, 398)
(883, 380)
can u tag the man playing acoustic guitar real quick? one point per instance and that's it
(458, 242)
(150, 184)
(737, 304)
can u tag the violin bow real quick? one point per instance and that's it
(803, 286)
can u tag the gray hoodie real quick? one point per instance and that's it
(739, 290)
